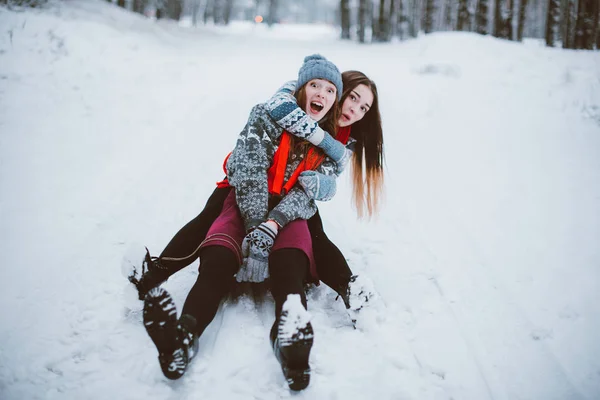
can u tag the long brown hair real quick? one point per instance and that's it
(368, 159)
(329, 123)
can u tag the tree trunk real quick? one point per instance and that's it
(552, 22)
(363, 9)
(209, 9)
(272, 17)
(381, 27)
(376, 24)
(413, 17)
(569, 31)
(481, 17)
(584, 31)
(399, 22)
(345, 18)
(522, 15)
(174, 8)
(462, 21)
(498, 20)
(227, 11)
(393, 18)
(138, 6)
(595, 22)
(429, 15)
(597, 25)
(448, 25)
(121, 3)
(217, 14)
(508, 21)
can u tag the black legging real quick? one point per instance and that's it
(184, 248)
(288, 269)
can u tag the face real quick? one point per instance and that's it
(320, 97)
(357, 104)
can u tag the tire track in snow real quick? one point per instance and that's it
(494, 328)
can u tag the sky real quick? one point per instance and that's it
(485, 256)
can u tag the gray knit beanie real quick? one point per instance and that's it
(318, 67)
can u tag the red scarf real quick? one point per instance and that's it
(276, 173)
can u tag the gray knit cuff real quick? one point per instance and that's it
(333, 148)
(252, 223)
(280, 218)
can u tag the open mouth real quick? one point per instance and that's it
(316, 107)
(346, 117)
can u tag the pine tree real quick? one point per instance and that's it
(481, 17)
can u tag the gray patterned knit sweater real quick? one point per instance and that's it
(253, 155)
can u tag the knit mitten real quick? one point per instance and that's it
(318, 186)
(256, 248)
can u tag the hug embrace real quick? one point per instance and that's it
(261, 223)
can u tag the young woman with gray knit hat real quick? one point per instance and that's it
(265, 205)
(359, 103)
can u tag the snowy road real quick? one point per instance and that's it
(113, 130)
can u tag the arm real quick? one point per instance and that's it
(297, 204)
(247, 169)
(285, 111)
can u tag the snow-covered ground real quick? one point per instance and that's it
(113, 129)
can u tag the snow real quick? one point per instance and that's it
(297, 318)
(113, 129)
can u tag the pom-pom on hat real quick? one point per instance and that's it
(318, 67)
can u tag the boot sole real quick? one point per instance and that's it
(293, 355)
(160, 321)
(294, 364)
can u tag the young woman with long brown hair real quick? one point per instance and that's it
(359, 109)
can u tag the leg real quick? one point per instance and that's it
(217, 267)
(334, 271)
(292, 333)
(332, 267)
(182, 250)
(177, 340)
(288, 269)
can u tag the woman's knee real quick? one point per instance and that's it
(288, 262)
(217, 260)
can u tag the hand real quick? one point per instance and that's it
(318, 186)
(256, 248)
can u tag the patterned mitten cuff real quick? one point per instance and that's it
(317, 185)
